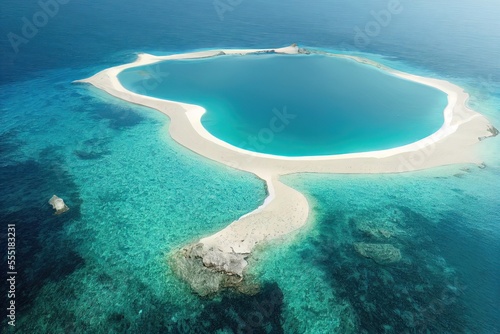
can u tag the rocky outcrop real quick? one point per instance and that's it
(304, 51)
(494, 132)
(58, 204)
(380, 253)
(232, 264)
(491, 129)
(208, 270)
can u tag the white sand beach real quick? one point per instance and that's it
(286, 210)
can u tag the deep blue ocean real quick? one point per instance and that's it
(135, 195)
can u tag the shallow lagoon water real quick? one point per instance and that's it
(296, 105)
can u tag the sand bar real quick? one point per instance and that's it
(286, 210)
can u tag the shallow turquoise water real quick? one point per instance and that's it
(134, 195)
(296, 105)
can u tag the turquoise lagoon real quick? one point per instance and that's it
(323, 104)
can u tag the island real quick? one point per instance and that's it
(219, 261)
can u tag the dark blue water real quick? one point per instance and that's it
(297, 105)
(135, 195)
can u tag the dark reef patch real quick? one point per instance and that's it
(238, 313)
(117, 116)
(417, 294)
(93, 149)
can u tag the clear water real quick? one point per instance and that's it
(445, 282)
(135, 195)
(296, 105)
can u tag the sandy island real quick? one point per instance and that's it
(222, 256)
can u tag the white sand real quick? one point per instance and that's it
(286, 210)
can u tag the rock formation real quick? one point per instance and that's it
(380, 253)
(58, 204)
(208, 270)
(491, 129)
(494, 132)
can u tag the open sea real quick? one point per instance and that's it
(135, 195)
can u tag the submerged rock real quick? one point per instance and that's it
(58, 204)
(383, 229)
(380, 253)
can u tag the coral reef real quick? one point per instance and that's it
(375, 230)
(380, 253)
